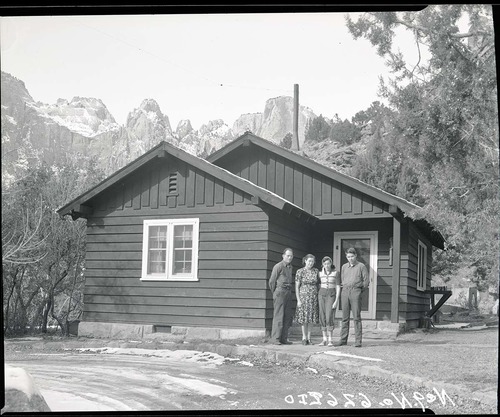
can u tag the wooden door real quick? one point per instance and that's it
(366, 245)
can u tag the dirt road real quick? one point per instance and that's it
(141, 380)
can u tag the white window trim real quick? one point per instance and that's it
(421, 286)
(168, 276)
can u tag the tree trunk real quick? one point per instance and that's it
(47, 307)
(20, 317)
(7, 304)
(54, 315)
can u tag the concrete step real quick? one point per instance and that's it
(371, 328)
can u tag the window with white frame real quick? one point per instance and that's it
(422, 266)
(170, 249)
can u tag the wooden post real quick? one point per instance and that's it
(396, 273)
(295, 141)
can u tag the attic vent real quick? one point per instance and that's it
(172, 183)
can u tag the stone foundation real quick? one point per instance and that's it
(147, 331)
(371, 329)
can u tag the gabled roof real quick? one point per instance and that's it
(76, 207)
(392, 200)
(352, 182)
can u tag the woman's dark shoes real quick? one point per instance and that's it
(309, 342)
(304, 342)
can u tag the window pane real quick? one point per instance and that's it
(183, 236)
(182, 261)
(421, 266)
(157, 261)
(157, 237)
(183, 252)
(157, 250)
(182, 267)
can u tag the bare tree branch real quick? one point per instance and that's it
(21, 250)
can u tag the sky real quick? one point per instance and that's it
(199, 67)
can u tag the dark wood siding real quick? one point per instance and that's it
(414, 302)
(285, 231)
(314, 192)
(233, 264)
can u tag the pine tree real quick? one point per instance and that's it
(443, 135)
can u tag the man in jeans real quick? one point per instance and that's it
(355, 280)
(280, 284)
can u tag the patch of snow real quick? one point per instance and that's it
(152, 116)
(245, 363)
(312, 370)
(48, 354)
(450, 325)
(192, 384)
(64, 401)
(116, 404)
(365, 358)
(19, 379)
(484, 326)
(208, 358)
(11, 120)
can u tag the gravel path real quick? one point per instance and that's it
(468, 357)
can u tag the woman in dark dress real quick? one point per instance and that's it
(306, 290)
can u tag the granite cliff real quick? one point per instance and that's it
(83, 127)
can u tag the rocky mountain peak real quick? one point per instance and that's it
(14, 95)
(276, 120)
(146, 126)
(84, 126)
(183, 129)
(148, 111)
(83, 115)
(210, 137)
(150, 105)
(214, 127)
(248, 122)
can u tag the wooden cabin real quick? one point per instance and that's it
(177, 244)
(349, 212)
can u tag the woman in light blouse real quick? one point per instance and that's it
(328, 298)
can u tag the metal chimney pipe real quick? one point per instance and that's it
(295, 141)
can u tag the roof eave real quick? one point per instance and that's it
(73, 206)
(355, 183)
(78, 208)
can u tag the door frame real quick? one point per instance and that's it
(372, 267)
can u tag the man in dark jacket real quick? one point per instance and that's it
(280, 284)
(355, 280)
